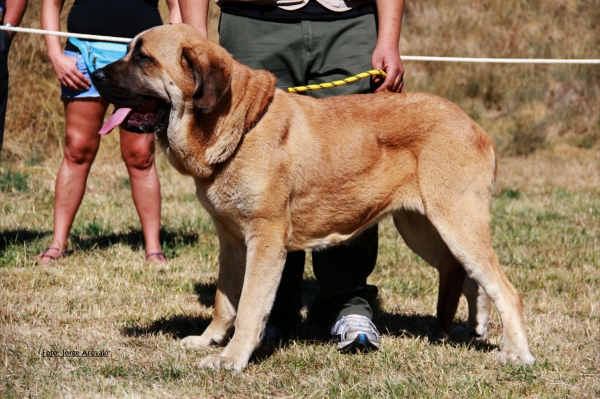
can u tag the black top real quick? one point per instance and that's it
(312, 11)
(121, 18)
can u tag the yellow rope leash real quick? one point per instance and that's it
(347, 80)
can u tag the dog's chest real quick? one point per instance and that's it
(234, 200)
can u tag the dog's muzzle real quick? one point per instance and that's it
(133, 112)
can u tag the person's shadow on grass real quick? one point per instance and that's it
(88, 241)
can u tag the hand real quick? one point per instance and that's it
(65, 68)
(388, 59)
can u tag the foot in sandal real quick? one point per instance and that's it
(156, 257)
(51, 254)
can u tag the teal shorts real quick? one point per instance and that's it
(67, 93)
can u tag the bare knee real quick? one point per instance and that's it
(80, 152)
(138, 159)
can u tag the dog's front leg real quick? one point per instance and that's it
(232, 261)
(264, 265)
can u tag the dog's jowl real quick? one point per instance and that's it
(280, 172)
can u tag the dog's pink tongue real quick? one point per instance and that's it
(114, 120)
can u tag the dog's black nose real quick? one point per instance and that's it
(98, 76)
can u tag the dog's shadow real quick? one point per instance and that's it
(410, 326)
(178, 326)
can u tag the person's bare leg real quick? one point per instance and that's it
(138, 153)
(83, 120)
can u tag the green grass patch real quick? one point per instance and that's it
(14, 181)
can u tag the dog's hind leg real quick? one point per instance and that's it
(232, 259)
(422, 238)
(463, 222)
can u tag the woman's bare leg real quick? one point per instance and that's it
(83, 120)
(138, 153)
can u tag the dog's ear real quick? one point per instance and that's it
(211, 79)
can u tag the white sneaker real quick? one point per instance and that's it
(356, 333)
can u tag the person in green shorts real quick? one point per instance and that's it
(306, 42)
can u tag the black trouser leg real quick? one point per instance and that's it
(342, 272)
(288, 301)
(5, 42)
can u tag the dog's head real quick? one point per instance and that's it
(165, 69)
(188, 91)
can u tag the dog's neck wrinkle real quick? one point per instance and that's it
(184, 152)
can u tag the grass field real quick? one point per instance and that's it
(104, 297)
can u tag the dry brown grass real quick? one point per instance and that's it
(546, 231)
(104, 297)
(523, 107)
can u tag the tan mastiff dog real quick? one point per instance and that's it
(281, 172)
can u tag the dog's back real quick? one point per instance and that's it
(357, 158)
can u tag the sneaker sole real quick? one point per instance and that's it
(361, 343)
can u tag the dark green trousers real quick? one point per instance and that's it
(301, 53)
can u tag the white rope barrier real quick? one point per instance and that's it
(500, 60)
(404, 57)
(67, 34)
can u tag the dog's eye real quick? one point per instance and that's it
(141, 57)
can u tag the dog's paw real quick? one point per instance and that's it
(524, 357)
(217, 362)
(464, 334)
(197, 341)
